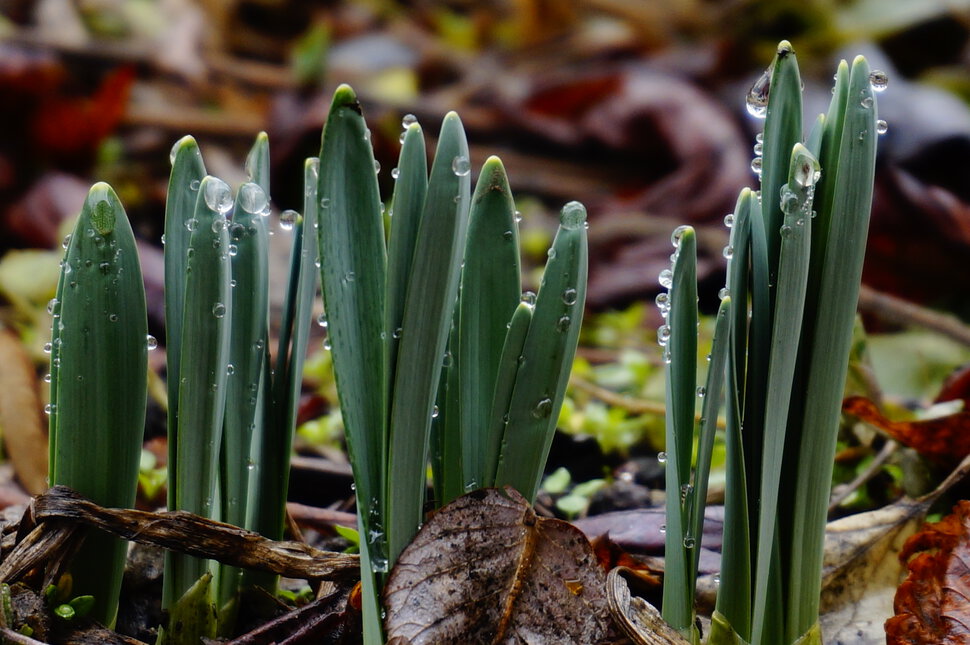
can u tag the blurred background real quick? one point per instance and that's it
(634, 108)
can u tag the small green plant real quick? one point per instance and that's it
(780, 353)
(435, 353)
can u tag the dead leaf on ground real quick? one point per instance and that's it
(23, 435)
(486, 569)
(944, 440)
(931, 604)
(638, 619)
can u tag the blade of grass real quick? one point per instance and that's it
(183, 192)
(352, 270)
(547, 357)
(249, 333)
(795, 238)
(429, 305)
(681, 375)
(100, 370)
(446, 462)
(839, 289)
(506, 375)
(206, 320)
(490, 291)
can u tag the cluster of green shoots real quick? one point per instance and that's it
(437, 354)
(780, 356)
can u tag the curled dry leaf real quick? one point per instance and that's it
(638, 619)
(944, 440)
(931, 604)
(486, 569)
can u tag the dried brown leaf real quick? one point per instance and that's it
(486, 569)
(23, 434)
(932, 603)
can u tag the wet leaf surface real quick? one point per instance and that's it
(932, 603)
(944, 440)
(486, 569)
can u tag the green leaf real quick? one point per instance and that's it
(207, 310)
(99, 381)
(490, 292)
(352, 271)
(547, 357)
(506, 375)
(432, 288)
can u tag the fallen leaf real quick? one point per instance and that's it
(486, 569)
(638, 619)
(23, 434)
(944, 440)
(612, 555)
(931, 604)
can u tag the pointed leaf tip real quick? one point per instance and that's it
(102, 200)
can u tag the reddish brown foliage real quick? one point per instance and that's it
(944, 440)
(932, 603)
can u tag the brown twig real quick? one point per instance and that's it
(899, 311)
(843, 492)
(194, 535)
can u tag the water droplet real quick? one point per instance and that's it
(191, 224)
(50, 408)
(786, 231)
(395, 173)
(882, 127)
(461, 166)
(663, 303)
(350, 276)
(529, 298)
(729, 220)
(408, 120)
(663, 335)
(723, 293)
(217, 195)
(507, 236)
(377, 166)
(151, 342)
(435, 412)
(728, 252)
(252, 198)
(866, 102)
(194, 185)
(701, 392)
(677, 234)
(717, 579)
(689, 542)
(288, 219)
(569, 296)
(789, 200)
(52, 305)
(163, 239)
(563, 324)
(218, 310)
(573, 216)
(230, 369)
(402, 137)
(878, 80)
(233, 252)
(396, 333)
(756, 165)
(542, 409)
(322, 320)
(47, 378)
(666, 278)
(66, 241)
(447, 360)
(758, 149)
(663, 529)
(757, 99)
(219, 224)
(517, 217)
(173, 153)
(113, 318)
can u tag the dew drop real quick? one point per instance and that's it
(542, 409)
(66, 241)
(194, 185)
(728, 252)
(288, 219)
(529, 298)
(447, 360)
(701, 392)
(191, 224)
(689, 542)
(47, 378)
(435, 412)
(666, 278)
(723, 293)
(878, 80)
(52, 305)
(461, 166)
(377, 166)
(563, 324)
(253, 198)
(233, 252)
(50, 408)
(758, 149)
(396, 333)
(786, 231)
(882, 127)
(573, 216)
(756, 165)
(663, 529)
(322, 321)
(395, 173)
(218, 310)
(663, 303)
(663, 335)
(408, 120)
(326, 344)
(729, 220)
(866, 102)
(230, 369)
(217, 195)
(677, 234)
(113, 318)
(173, 153)
(151, 342)
(569, 297)
(517, 217)
(757, 99)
